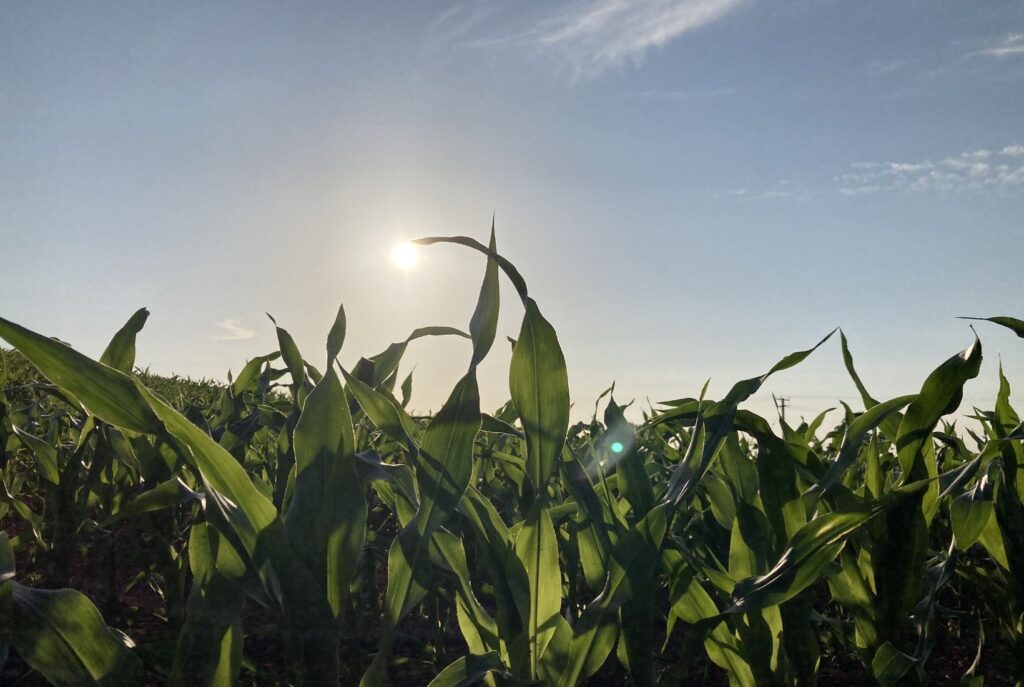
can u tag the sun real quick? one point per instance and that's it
(405, 256)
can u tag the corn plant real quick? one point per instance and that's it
(302, 504)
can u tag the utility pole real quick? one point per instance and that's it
(780, 405)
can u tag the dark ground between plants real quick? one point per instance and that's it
(422, 650)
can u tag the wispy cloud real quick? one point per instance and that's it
(1007, 46)
(784, 189)
(682, 95)
(600, 34)
(232, 330)
(460, 20)
(992, 58)
(588, 36)
(888, 66)
(972, 170)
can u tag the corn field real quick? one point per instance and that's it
(300, 526)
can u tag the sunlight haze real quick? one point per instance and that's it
(691, 189)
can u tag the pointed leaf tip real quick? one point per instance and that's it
(1012, 323)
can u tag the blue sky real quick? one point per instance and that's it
(692, 189)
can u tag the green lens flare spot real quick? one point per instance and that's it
(617, 447)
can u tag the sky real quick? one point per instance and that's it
(691, 188)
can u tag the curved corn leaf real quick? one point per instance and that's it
(249, 521)
(1012, 323)
(377, 370)
(326, 520)
(508, 575)
(539, 386)
(105, 392)
(209, 648)
(251, 372)
(891, 424)
(6, 558)
(290, 354)
(120, 352)
(336, 337)
(889, 665)
(940, 395)
(484, 324)
(371, 468)
(812, 548)
(899, 556)
(489, 423)
(855, 434)
(388, 416)
(61, 634)
(444, 466)
(164, 495)
(471, 670)
(635, 556)
(970, 513)
(507, 267)
(848, 361)
(633, 480)
(477, 626)
(718, 418)
(743, 390)
(537, 547)
(44, 455)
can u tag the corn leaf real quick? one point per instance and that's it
(61, 634)
(537, 548)
(326, 520)
(540, 391)
(120, 352)
(105, 392)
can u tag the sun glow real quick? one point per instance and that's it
(405, 256)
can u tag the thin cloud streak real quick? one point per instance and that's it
(888, 66)
(598, 35)
(592, 36)
(1010, 46)
(972, 170)
(458, 21)
(232, 330)
(784, 189)
(993, 58)
(682, 95)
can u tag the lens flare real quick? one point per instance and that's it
(405, 256)
(617, 447)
